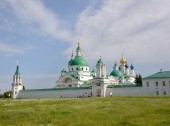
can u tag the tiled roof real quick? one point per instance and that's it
(163, 74)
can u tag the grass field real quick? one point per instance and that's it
(110, 111)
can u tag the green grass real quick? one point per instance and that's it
(110, 111)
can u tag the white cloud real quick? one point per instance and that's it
(35, 14)
(139, 29)
(11, 50)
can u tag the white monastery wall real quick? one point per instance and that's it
(128, 91)
(54, 93)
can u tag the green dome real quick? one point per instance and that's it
(78, 60)
(116, 73)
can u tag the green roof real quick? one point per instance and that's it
(116, 73)
(78, 60)
(17, 73)
(123, 86)
(65, 88)
(164, 74)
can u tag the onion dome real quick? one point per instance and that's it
(123, 61)
(99, 62)
(115, 67)
(116, 73)
(131, 67)
(115, 64)
(78, 60)
(17, 73)
(69, 63)
(63, 71)
(126, 66)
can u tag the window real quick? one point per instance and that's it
(86, 68)
(157, 92)
(98, 84)
(163, 83)
(169, 83)
(72, 69)
(156, 84)
(164, 92)
(15, 92)
(147, 84)
(82, 68)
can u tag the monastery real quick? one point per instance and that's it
(79, 81)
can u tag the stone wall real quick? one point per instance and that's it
(74, 93)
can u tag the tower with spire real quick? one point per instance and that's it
(17, 83)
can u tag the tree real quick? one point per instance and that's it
(23, 87)
(7, 94)
(138, 80)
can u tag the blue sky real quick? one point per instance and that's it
(41, 35)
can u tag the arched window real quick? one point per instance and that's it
(68, 80)
(70, 85)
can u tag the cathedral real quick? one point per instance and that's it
(79, 74)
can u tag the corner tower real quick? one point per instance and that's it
(17, 83)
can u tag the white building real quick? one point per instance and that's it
(158, 83)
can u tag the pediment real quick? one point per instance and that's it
(66, 79)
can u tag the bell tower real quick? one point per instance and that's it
(100, 69)
(17, 83)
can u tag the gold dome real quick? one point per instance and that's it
(123, 61)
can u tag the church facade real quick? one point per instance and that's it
(79, 81)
